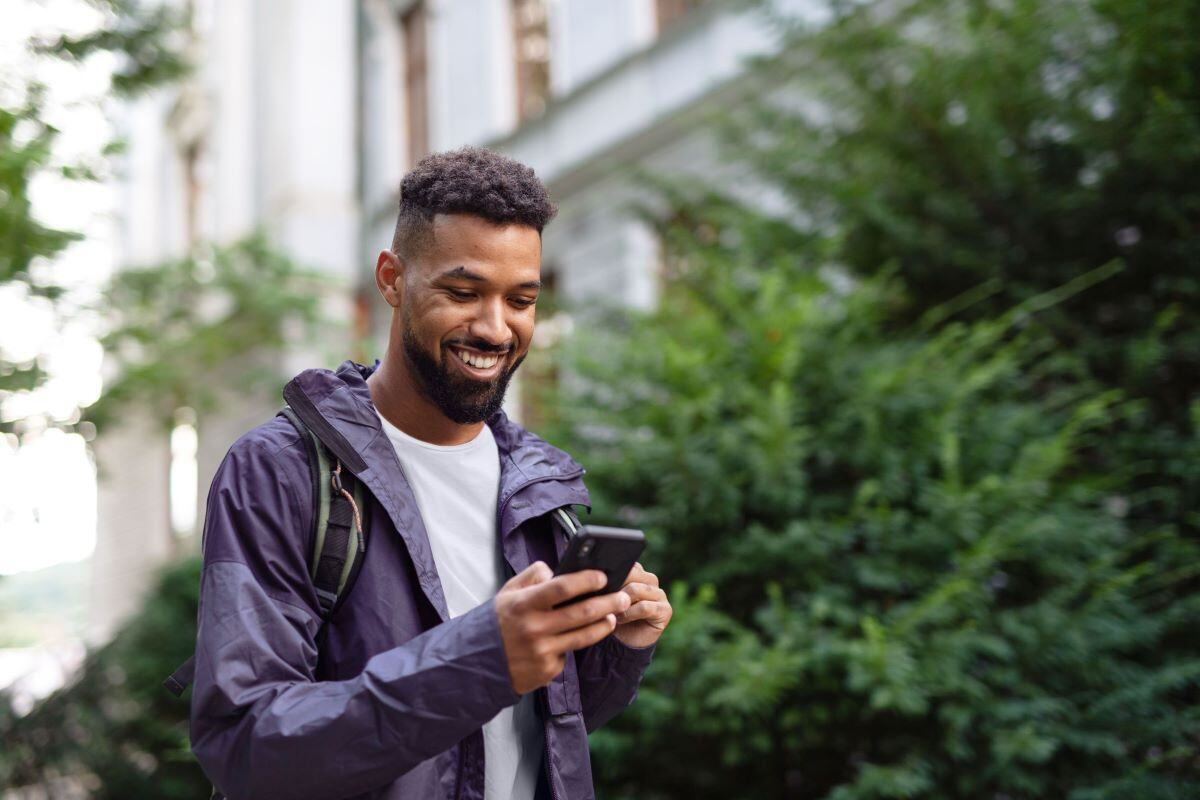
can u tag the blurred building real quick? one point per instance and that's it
(305, 114)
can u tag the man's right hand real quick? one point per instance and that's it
(537, 636)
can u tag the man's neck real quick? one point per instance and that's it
(395, 395)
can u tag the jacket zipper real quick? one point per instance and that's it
(462, 763)
(545, 697)
(546, 749)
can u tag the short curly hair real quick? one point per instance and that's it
(469, 180)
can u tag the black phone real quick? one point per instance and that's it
(613, 551)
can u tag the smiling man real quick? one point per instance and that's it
(447, 671)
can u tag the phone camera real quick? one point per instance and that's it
(585, 548)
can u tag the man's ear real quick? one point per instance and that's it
(389, 277)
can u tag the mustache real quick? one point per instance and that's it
(481, 346)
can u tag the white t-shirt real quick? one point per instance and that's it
(457, 489)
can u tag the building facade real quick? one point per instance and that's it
(303, 116)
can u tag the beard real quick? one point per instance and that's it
(463, 400)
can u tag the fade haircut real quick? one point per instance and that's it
(470, 180)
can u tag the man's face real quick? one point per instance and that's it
(467, 313)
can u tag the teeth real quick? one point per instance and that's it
(479, 362)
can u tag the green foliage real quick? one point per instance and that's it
(116, 730)
(150, 38)
(185, 330)
(907, 587)
(920, 460)
(26, 144)
(1013, 146)
(149, 41)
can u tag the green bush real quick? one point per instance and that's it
(920, 458)
(891, 578)
(116, 730)
(987, 151)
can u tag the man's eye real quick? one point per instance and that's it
(523, 302)
(459, 294)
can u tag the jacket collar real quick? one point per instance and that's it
(344, 400)
(341, 404)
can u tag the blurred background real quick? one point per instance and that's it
(881, 319)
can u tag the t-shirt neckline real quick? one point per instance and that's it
(396, 433)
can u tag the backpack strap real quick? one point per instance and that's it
(182, 677)
(338, 535)
(565, 522)
(339, 543)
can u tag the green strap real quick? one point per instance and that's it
(324, 487)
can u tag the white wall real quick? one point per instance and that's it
(133, 537)
(472, 91)
(226, 80)
(151, 227)
(277, 93)
(306, 115)
(589, 36)
(384, 120)
(640, 92)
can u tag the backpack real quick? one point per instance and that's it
(339, 535)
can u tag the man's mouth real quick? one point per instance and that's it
(477, 365)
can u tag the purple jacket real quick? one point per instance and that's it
(391, 703)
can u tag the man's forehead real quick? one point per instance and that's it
(478, 246)
(464, 224)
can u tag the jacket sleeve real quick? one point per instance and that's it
(261, 725)
(609, 675)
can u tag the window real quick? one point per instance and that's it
(532, 47)
(184, 470)
(416, 81)
(669, 12)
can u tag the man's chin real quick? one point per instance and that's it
(462, 397)
(470, 400)
(470, 386)
(469, 409)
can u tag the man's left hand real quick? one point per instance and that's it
(648, 615)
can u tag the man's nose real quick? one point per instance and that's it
(489, 324)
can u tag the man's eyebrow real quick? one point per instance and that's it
(462, 273)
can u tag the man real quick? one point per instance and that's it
(435, 678)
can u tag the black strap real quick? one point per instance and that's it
(338, 531)
(329, 436)
(310, 450)
(181, 678)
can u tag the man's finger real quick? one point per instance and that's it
(635, 574)
(643, 591)
(586, 636)
(564, 587)
(586, 612)
(535, 573)
(645, 609)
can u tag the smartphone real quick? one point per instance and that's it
(613, 551)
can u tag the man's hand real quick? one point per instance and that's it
(650, 612)
(537, 636)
